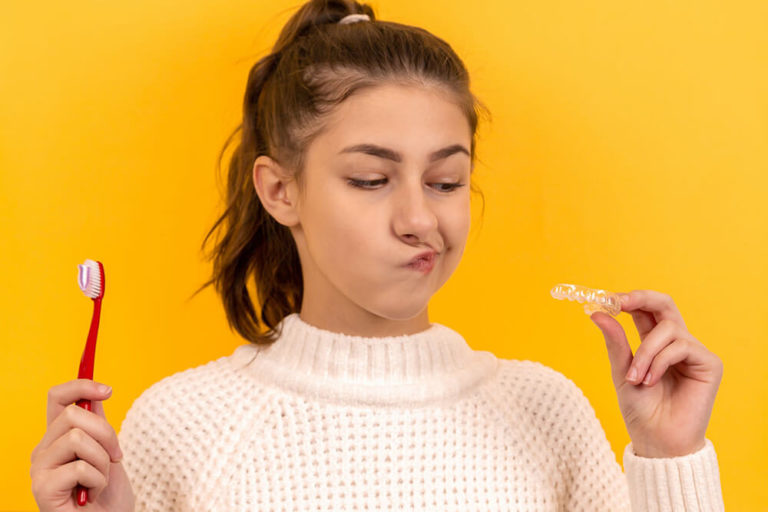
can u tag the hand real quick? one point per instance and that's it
(74, 433)
(667, 405)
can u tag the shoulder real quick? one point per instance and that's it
(202, 394)
(185, 388)
(549, 400)
(532, 380)
(183, 422)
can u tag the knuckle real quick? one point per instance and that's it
(72, 411)
(81, 468)
(77, 436)
(69, 411)
(668, 324)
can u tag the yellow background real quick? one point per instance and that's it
(627, 151)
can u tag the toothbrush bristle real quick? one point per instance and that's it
(82, 277)
(89, 278)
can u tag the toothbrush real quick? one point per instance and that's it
(90, 277)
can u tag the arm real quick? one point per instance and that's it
(685, 483)
(688, 482)
(666, 391)
(151, 455)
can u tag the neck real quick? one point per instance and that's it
(361, 322)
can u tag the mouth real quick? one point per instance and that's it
(424, 262)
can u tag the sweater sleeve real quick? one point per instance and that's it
(688, 483)
(153, 453)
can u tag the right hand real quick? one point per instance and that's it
(74, 433)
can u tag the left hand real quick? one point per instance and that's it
(668, 415)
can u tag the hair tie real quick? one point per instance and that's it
(354, 18)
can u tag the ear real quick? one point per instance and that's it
(277, 190)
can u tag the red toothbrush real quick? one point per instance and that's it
(90, 277)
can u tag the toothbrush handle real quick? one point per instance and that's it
(82, 492)
(86, 361)
(86, 372)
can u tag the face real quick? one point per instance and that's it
(366, 212)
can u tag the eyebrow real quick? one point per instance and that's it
(389, 154)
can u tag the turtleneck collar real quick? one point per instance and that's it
(430, 365)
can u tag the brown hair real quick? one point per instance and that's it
(315, 64)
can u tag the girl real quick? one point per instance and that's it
(349, 207)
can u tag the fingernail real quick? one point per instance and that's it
(632, 374)
(647, 378)
(624, 298)
(103, 388)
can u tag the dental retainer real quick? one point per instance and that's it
(594, 299)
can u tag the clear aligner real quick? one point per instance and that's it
(596, 300)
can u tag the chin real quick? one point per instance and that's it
(399, 312)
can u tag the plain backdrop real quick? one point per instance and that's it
(627, 150)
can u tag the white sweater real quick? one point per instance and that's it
(321, 421)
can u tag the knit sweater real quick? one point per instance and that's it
(323, 421)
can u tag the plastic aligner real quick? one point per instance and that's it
(596, 300)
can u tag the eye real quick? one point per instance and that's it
(451, 186)
(368, 184)
(364, 183)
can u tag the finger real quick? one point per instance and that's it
(75, 444)
(619, 351)
(70, 392)
(97, 406)
(94, 425)
(699, 363)
(649, 307)
(66, 477)
(660, 336)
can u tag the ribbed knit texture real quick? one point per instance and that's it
(322, 421)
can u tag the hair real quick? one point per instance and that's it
(315, 64)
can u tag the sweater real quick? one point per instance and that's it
(324, 421)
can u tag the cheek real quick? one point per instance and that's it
(456, 223)
(346, 231)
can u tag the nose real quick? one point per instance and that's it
(414, 217)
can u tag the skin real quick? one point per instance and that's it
(353, 242)
(74, 433)
(666, 415)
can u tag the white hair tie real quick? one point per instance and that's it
(354, 18)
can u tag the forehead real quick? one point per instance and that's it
(415, 120)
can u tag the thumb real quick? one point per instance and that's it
(619, 351)
(97, 406)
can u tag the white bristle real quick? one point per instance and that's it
(89, 278)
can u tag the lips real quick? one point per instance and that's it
(425, 257)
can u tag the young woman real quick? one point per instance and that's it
(348, 208)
